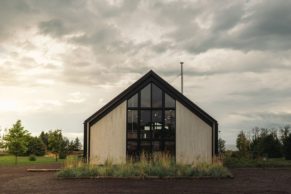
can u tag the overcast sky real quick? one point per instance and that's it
(60, 61)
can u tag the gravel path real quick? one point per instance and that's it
(17, 180)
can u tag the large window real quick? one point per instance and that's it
(151, 122)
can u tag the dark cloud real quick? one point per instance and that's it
(54, 27)
(262, 26)
(236, 53)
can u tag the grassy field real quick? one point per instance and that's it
(9, 160)
(258, 163)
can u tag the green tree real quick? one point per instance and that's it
(74, 145)
(1, 139)
(44, 137)
(71, 147)
(286, 141)
(265, 143)
(221, 146)
(55, 140)
(77, 144)
(270, 146)
(287, 147)
(255, 143)
(16, 140)
(36, 146)
(243, 144)
(64, 148)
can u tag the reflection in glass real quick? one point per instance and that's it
(132, 124)
(145, 96)
(156, 96)
(151, 122)
(157, 124)
(169, 101)
(145, 124)
(133, 101)
(170, 124)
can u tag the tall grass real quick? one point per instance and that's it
(160, 165)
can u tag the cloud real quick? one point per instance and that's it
(81, 53)
(264, 119)
(53, 27)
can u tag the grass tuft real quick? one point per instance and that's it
(159, 165)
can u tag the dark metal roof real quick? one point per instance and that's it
(151, 76)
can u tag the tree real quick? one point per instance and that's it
(221, 146)
(265, 143)
(256, 146)
(1, 139)
(270, 146)
(286, 141)
(16, 140)
(243, 144)
(74, 145)
(55, 140)
(64, 147)
(287, 147)
(44, 137)
(77, 144)
(36, 146)
(71, 147)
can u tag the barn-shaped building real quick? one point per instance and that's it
(150, 116)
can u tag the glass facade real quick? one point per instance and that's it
(151, 122)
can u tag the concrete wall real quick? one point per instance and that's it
(193, 137)
(108, 137)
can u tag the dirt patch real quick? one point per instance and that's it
(18, 180)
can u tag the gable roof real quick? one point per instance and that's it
(151, 76)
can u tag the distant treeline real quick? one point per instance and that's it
(264, 143)
(20, 142)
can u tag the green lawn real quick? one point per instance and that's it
(9, 160)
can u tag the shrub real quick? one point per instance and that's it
(32, 157)
(63, 155)
(287, 147)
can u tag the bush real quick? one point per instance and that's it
(63, 155)
(32, 157)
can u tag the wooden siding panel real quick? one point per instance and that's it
(108, 137)
(193, 137)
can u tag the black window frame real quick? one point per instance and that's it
(163, 108)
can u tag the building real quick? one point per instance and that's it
(150, 116)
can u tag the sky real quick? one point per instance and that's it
(60, 61)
